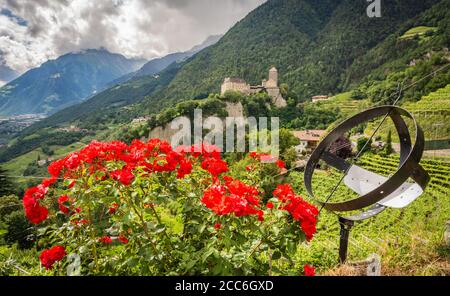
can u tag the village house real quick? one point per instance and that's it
(309, 140)
(270, 86)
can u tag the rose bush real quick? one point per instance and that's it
(147, 209)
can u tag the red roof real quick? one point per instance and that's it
(309, 135)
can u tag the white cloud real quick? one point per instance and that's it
(135, 28)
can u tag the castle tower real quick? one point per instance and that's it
(273, 78)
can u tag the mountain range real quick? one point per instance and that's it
(64, 81)
(74, 77)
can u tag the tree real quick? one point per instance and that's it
(388, 147)
(20, 231)
(14, 223)
(358, 95)
(360, 145)
(287, 140)
(284, 89)
(6, 185)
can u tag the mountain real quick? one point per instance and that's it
(157, 65)
(63, 82)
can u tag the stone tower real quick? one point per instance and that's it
(273, 74)
(273, 78)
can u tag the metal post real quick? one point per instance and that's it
(346, 225)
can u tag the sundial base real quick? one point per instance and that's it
(346, 226)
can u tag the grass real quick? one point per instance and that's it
(17, 166)
(419, 31)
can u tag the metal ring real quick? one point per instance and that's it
(408, 166)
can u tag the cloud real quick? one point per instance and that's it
(33, 31)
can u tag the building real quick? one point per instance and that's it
(309, 139)
(270, 86)
(320, 98)
(140, 120)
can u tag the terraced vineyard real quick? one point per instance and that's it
(344, 102)
(432, 113)
(417, 31)
(409, 240)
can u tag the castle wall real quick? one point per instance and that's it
(235, 86)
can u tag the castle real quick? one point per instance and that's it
(270, 86)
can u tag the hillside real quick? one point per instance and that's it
(63, 82)
(312, 44)
(431, 112)
(319, 48)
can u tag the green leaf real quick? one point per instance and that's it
(276, 255)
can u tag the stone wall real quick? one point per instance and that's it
(165, 132)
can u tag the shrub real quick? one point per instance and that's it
(147, 209)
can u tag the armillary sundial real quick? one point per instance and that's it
(375, 192)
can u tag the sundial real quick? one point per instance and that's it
(375, 192)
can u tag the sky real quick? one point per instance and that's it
(34, 31)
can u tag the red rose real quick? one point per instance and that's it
(34, 212)
(301, 211)
(56, 167)
(217, 226)
(309, 270)
(72, 161)
(281, 164)
(185, 168)
(112, 210)
(50, 181)
(106, 240)
(269, 205)
(49, 257)
(124, 176)
(63, 199)
(214, 166)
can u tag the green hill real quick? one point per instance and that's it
(431, 112)
(312, 43)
